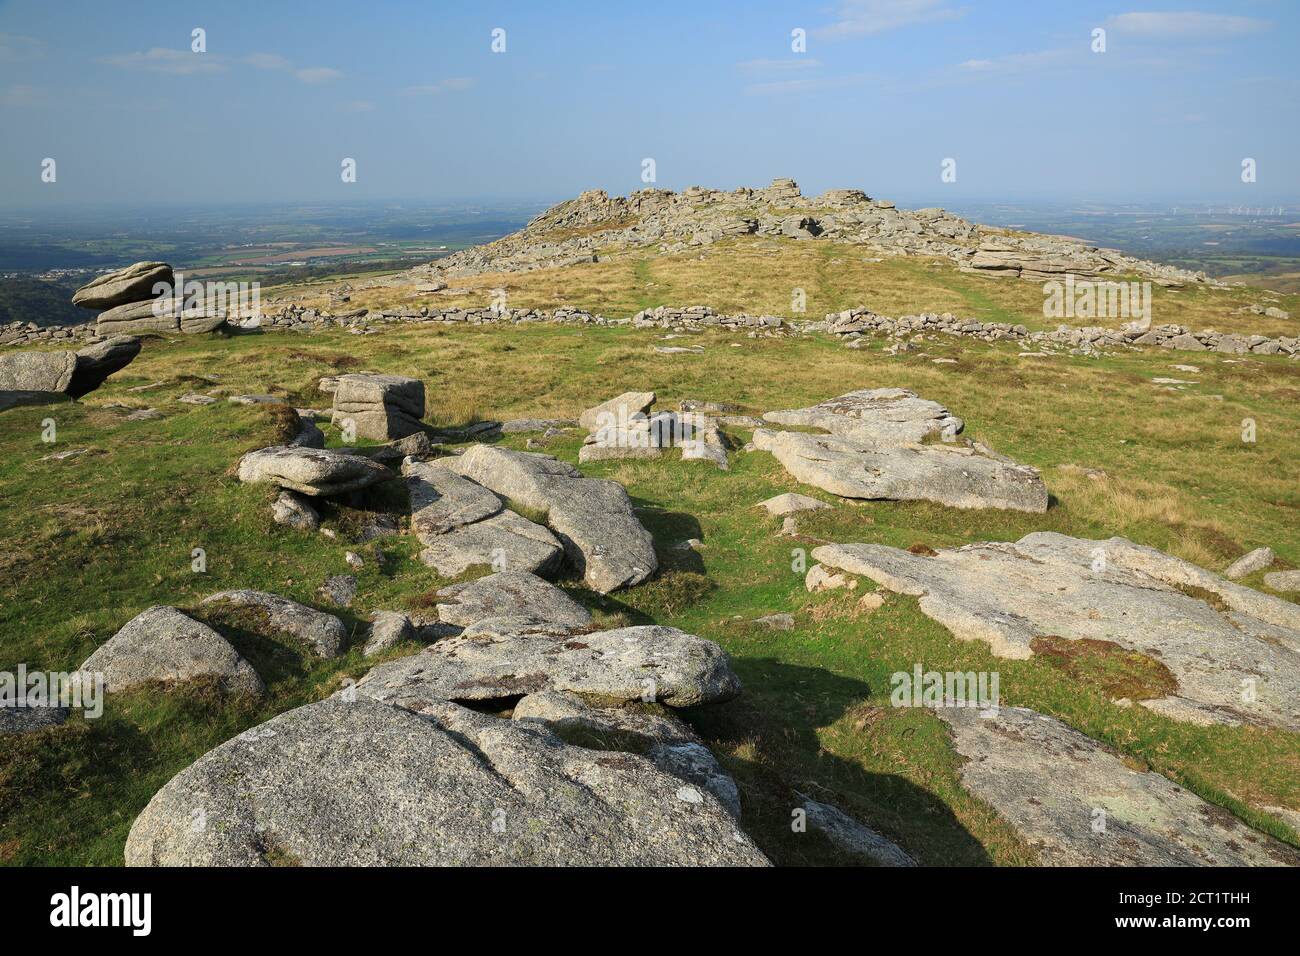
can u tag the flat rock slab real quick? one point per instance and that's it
(366, 784)
(443, 501)
(463, 525)
(651, 662)
(324, 633)
(162, 644)
(1052, 585)
(592, 517)
(950, 476)
(312, 471)
(888, 416)
(876, 448)
(133, 284)
(37, 371)
(159, 315)
(617, 410)
(505, 540)
(790, 503)
(1078, 804)
(854, 837)
(515, 594)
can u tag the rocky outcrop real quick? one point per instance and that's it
(1042, 258)
(135, 283)
(311, 471)
(323, 633)
(514, 595)
(1233, 652)
(583, 229)
(33, 378)
(851, 324)
(160, 315)
(380, 407)
(495, 661)
(589, 768)
(879, 448)
(626, 427)
(461, 525)
(365, 783)
(163, 645)
(621, 408)
(593, 518)
(877, 416)
(37, 373)
(1078, 804)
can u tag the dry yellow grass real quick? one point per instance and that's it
(760, 276)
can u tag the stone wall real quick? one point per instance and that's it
(857, 322)
(850, 324)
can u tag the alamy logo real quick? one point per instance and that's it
(103, 909)
(935, 689)
(1089, 299)
(83, 690)
(622, 429)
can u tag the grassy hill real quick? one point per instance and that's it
(91, 540)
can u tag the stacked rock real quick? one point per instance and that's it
(38, 378)
(132, 305)
(380, 407)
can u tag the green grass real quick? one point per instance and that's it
(91, 541)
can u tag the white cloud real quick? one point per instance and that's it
(19, 49)
(267, 61)
(1184, 26)
(357, 106)
(452, 84)
(866, 17)
(162, 60)
(306, 74)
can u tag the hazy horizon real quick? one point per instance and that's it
(883, 93)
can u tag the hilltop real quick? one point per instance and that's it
(577, 230)
(869, 497)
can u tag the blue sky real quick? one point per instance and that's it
(886, 90)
